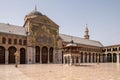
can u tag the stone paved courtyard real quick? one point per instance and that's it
(106, 71)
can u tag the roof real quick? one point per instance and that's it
(78, 40)
(12, 29)
(71, 44)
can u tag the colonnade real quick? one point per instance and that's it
(91, 58)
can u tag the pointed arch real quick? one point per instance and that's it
(37, 55)
(114, 57)
(11, 51)
(2, 55)
(22, 56)
(81, 57)
(109, 57)
(44, 54)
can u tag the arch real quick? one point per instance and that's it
(89, 57)
(96, 57)
(93, 57)
(20, 41)
(104, 58)
(85, 57)
(100, 58)
(37, 55)
(11, 51)
(4, 40)
(2, 55)
(65, 60)
(72, 59)
(22, 56)
(24, 42)
(114, 57)
(77, 60)
(15, 41)
(44, 54)
(109, 57)
(51, 55)
(68, 61)
(9, 41)
(81, 57)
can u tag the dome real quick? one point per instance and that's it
(71, 44)
(35, 12)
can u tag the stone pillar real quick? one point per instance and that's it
(63, 60)
(112, 57)
(70, 60)
(41, 56)
(87, 58)
(91, 58)
(48, 56)
(29, 55)
(33, 54)
(74, 60)
(117, 58)
(100, 58)
(79, 60)
(6, 56)
(83, 58)
(105, 58)
(95, 58)
(19, 57)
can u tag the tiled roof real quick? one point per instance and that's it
(12, 29)
(67, 38)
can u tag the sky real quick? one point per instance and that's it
(101, 16)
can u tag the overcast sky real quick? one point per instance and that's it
(102, 16)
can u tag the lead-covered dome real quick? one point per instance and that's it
(35, 12)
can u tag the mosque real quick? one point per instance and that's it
(38, 41)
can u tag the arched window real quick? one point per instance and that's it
(9, 41)
(15, 41)
(3, 40)
(20, 42)
(24, 42)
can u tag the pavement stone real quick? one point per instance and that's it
(103, 71)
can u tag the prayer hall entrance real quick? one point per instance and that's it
(2, 55)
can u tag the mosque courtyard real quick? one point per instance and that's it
(102, 71)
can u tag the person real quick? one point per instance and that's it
(16, 59)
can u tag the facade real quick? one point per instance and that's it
(39, 41)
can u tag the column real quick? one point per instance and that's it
(117, 58)
(87, 58)
(83, 57)
(6, 56)
(91, 58)
(48, 56)
(74, 60)
(95, 58)
(18, 57)
(29, 55)
(79, 60)
(70, 60)
(41, 56)
(63, 60)
(100, 58)
(105, 58)
(33, 55)
(112, 57)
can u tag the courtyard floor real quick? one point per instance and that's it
(102, 71)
